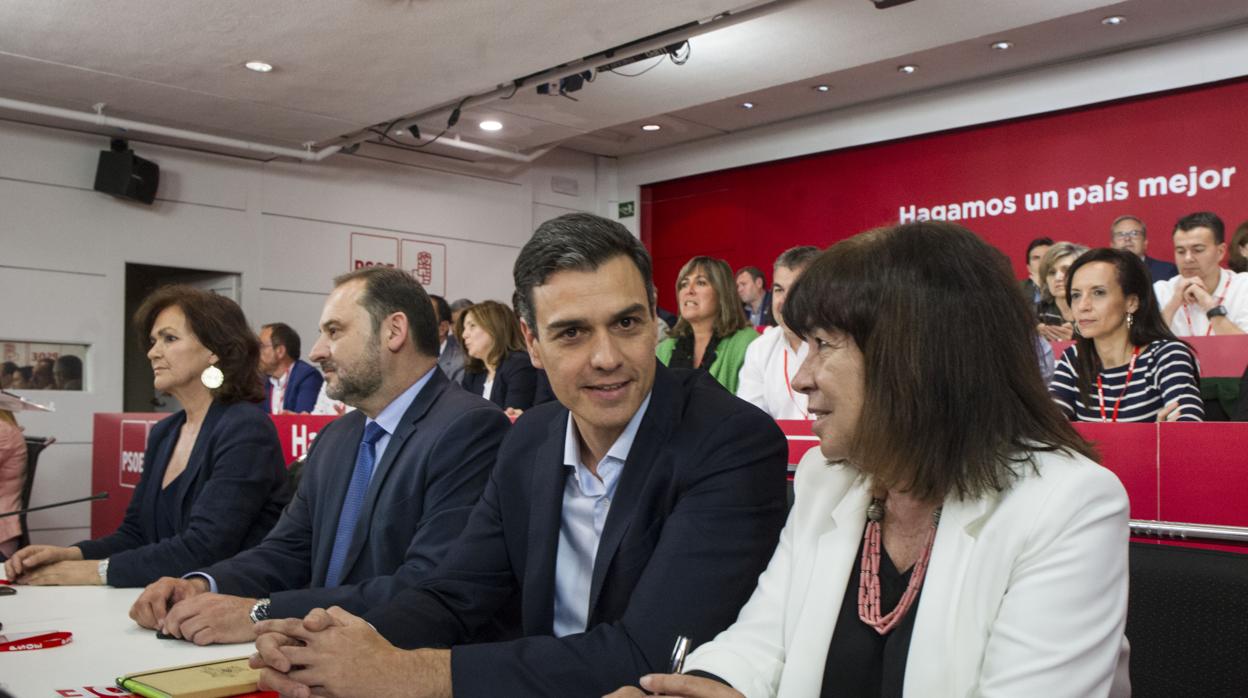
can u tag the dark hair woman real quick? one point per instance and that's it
(495, 363)
(214, 481)
(952, 534)
(1125, 364)
(712, 333)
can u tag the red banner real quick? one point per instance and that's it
(1065, 175)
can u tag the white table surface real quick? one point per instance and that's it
(106, 643)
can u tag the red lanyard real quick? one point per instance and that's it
(789, 386)
(1187, 313)
(34, 641)
(1125, 386)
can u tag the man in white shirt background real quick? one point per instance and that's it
(1204, 299)
(772, 359)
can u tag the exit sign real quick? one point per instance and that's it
(627, 209)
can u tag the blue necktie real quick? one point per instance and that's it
(352, 504)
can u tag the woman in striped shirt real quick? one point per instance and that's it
(1125, 364)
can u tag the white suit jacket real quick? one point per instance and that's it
(1025, 594)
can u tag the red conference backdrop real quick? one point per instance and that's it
(1064, 175)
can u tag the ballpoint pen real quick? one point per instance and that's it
(679, 650)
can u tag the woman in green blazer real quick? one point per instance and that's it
(712, 332)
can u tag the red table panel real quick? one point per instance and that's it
(1204, 473)
(1130, 451)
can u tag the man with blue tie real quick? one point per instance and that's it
(641, 506)
(386, 488)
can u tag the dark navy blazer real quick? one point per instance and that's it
(419, 498)
(698, 511)
(515, 382)
(302, 388)
(1159, 270)
(227, 499)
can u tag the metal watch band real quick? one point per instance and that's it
(260, 611)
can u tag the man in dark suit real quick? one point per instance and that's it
(641, 506)
(295, 382)
(386, 488)
(450, 354)
(1129, 233)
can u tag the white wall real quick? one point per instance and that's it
(284, 227)
(1192, 61)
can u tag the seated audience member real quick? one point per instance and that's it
(7, 370)
(457, 308)
(385, 490)
(450, 355)
(771, 360)
(213, 482)
(712, 333)
(67, 373)
(292, 384)
(643, 504)
(1129, 233)
(1034, 282)
(41, 377)
(1056, 320)
(12, 477)
(1125, 365)
(327, 405)
(1204, 298)
(755, 298)
(968, 545)
(1239, 249)
(496, 365)
(23, 377)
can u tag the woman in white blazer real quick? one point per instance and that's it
(952, 535)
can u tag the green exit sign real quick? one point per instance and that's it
(628, 209)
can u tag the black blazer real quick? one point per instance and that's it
(229, 496)
(697, 512)
(515, 382)
(429, 478)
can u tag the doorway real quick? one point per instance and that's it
(141, 280)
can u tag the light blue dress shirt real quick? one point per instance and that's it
(586, 503)
(388, 418)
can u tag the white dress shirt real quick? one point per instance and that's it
(586, 503)
(766, 378)
(1190, 320)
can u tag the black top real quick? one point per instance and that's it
(1049, 314)
(862, 662)
(682, 353)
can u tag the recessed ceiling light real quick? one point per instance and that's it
(650, 127)
(491, 125)
(821, 88)
(1113, 20)
(1003, 45)
(747, 105)
(400, 132)
(907, 69)
(259, 66)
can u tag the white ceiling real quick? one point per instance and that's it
(345, 65)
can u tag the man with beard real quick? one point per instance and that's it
(386, 488)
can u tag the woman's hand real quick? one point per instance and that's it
(64, 573)
(1056, 333)
(1169, 413)
(678, 686)
(33, 557)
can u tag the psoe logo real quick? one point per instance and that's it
(133, 444)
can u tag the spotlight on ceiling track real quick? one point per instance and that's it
(414, 130)
(350, 149)
(885, 4)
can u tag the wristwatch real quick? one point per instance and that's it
(260, 611)
(102, 570)
(1217, 311)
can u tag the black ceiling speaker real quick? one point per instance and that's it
(125, 175)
